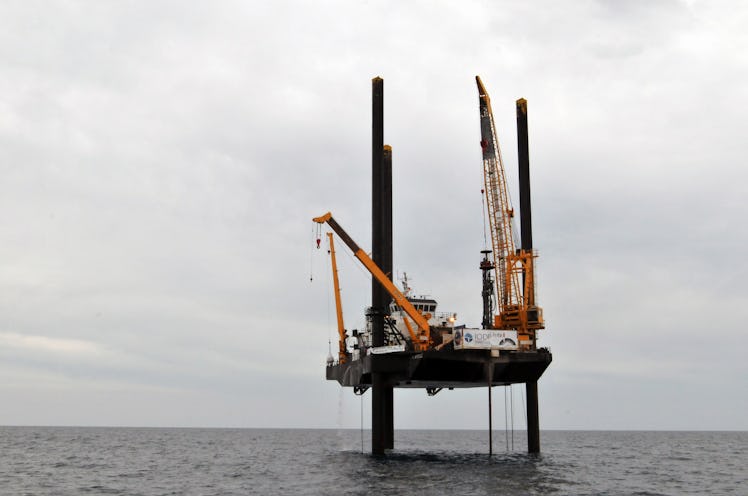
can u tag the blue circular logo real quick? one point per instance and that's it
(468, 337)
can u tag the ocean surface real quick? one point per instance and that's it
(136, 461)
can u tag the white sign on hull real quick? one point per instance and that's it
(382, 350)
(485, 339)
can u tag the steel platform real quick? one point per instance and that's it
(443, 368)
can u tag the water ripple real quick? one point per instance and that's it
(67, 461)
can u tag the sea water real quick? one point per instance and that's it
(140, 461)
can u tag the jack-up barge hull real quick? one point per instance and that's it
(443, 369)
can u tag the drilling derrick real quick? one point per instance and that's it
(488, 284)
(515, 284)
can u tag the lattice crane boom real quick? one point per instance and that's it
(514, 267)
(498, 204)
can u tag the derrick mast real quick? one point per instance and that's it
(486, 267)
(515, 287)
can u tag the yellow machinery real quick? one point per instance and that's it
(421, 335)
(338, 303)
(516, 301)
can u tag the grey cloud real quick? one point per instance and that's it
(160, 167)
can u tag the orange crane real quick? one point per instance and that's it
(420, 336)
(516, 301)
(338, 303)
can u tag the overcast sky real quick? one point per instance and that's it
(160, 163)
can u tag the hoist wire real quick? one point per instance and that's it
(328, 291)
(506, 421)
(311, 258)
(511, 411)
(317, 233)
(367, 275)
(362, 422)
(356, 263)
(316, 230)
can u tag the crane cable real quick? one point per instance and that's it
(509, 416)
(506, 421)
(311, 260)
(362, 422)
(511, 411)
(328, 291)
(317, 235)
(359, 267)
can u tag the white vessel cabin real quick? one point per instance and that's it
(439, 322)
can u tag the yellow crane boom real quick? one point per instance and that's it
(421, 340)
(516, 301)
(338, 303)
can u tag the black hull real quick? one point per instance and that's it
(443, 369)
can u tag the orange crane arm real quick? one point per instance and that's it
(338, 304)
(516, 301)
(380, 276)
(498, 206)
